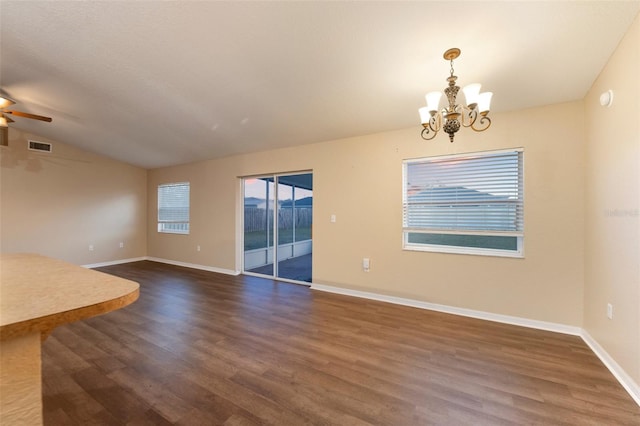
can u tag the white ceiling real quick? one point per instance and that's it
(162, 83)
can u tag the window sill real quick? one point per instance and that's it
(174, 232)
(464, 250)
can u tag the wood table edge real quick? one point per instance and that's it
(46, 324)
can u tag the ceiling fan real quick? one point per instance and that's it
(5, 118)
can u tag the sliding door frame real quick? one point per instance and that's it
(276, 238)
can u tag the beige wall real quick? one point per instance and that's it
(613, 207)
(58, 204)
(360, 181)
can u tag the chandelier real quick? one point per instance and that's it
(474, 114)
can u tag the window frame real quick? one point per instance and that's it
(162, 222)
(425, 247)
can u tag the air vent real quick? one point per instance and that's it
(40, 146)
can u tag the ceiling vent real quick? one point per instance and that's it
(40, 146)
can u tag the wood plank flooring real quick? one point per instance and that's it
(200, 348)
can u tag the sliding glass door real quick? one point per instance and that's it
(278, 208)
(259, 197)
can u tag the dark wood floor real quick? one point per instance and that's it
(200, 348)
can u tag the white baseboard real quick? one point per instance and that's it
(618, 372)
(194, 266)
(114, 262)
(167, 261)
(524, 322)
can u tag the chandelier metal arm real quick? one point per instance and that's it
(483, 124)
(478, 122)
(469, 117)
(432, 128)
(426, 132)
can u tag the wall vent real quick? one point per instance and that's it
(40, 146)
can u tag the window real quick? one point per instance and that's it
(468, 203)
(173, 208)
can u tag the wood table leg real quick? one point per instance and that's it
(21, 380)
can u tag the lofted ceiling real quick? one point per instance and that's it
(163, 83)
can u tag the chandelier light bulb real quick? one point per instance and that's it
(424, 115)
(471, 93)
(484, 102)
(433, 101)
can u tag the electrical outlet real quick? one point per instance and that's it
(197, 248)
(366, 264)
(121, 244)
(333, 218)
(609, 311)
(90, 247)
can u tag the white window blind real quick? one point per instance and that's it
(173, 208)
(470, 194)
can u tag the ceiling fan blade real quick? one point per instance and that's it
(27, 115)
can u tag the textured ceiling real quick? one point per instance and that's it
(163, 83)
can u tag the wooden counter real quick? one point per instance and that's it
(36, 295)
